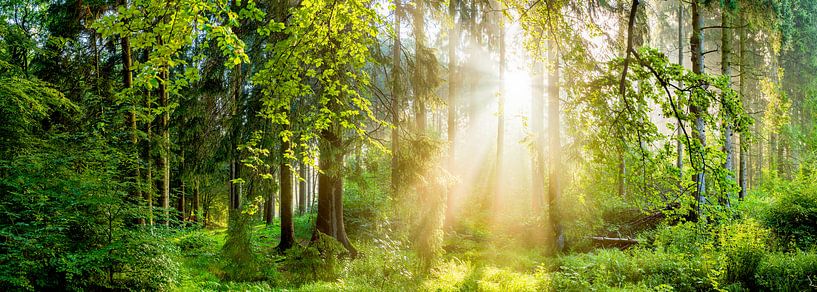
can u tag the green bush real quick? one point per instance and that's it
(611, 268)
(318, 261)
(788, 272)
(793, 218)
(196, 242)
(146, 264)
(384, 265)
(681, 238)
(743, 244)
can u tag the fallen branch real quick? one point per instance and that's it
(614, 241)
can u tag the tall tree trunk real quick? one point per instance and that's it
(726, 70)
(287, 226)
(149, 158)
(537, 130)
(301, 188)
(744, 142)
(453, 43)
(330, 190)
(419, 88)
(165, 144)
(196, 198)
(696, 44)
(678, 144)
(500, 125)
(127, 80)
(396, 101)
(310, 188)
(183, 215)
(555, 153)
(235, 120)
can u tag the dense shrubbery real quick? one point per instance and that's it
(788, 272)
(196, 242)
(793, 217)
(68, 224)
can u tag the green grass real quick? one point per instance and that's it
(671, 259)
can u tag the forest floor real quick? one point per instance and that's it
(740, 254)
(470, 262)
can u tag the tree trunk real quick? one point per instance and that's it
(127, 80)
(500, 125)
(149, 158)
(419, 88)
(235, 160)
(453, 43)
(301, 189)
(678, 144)
(555, 153)
(287, 227)
(183, 215)
(395, 103)
(696, 44)
(330, 190)
(537, 130)
(726, 70)
(744, 142)
(165, 144)
(196, 198)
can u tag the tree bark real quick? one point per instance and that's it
(555, 153)
(396, 93)
(500, 125)
(287, 226)
(165, 145)
(419, 88)
(699, 131)
(149, 158)
(235, 121)
(744, 143)
(726, 70)
(678, 144)
(330, 190)
(127, 80)
(301, 188)
(196, 199)
(537, 130)
(182, 214)
(453, 43)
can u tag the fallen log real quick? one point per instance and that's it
(614, 241)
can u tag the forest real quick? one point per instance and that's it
(408, 145)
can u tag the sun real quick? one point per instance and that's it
(517, 90)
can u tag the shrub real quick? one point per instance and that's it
(451, 275)
(196, 242)
(681, 238)
(383, 266)
(146, 264)
(319, 261)
(788, 272)
(635, 269)
(793, 218)
(743, 245)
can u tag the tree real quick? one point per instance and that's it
(500, 132)
(726, 70)
(319, 64)
(555, 147)
(396, 102)
(695, 108)
(453, 91)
